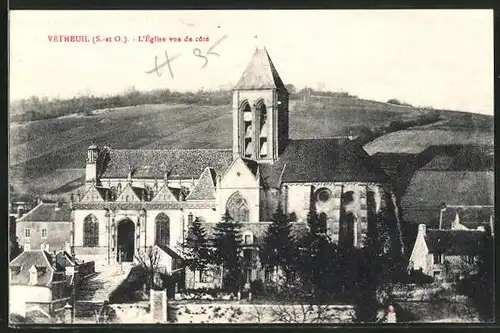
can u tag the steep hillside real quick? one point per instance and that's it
(40, 149)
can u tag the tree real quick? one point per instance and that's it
(197, 251)
(227, 243)
(291, 88)
(480, 287)
(278, 244)
(14, 248)
(377, 266)
(149, 261)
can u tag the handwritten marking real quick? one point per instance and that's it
(196, 51)
(166, 63)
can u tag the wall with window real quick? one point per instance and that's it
(54, 234)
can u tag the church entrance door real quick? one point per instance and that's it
(126, 241)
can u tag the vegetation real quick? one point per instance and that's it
(480, 287)
(197, 252)
(34, 108)
(278, 249)
(227, 244)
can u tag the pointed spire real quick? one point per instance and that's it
(260, 73)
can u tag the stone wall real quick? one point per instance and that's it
(233, 312)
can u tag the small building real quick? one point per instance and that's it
(46, 227)
(37, 285)
(446, 254)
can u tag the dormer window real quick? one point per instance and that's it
(33, 275)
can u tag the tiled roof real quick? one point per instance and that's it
(205, 188)
(23, 262)
(260, 73)
(48, 212)
(178, 163)
(323, 160)
(455, 242)
(471, 217)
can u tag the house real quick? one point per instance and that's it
(462, 217)
(37, 285)
(47, 227)
(446, 254)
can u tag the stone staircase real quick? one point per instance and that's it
(96, 288)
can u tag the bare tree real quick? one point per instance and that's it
(149, 261)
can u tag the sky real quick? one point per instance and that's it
(438, 58)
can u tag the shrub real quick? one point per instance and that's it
(257, 287)
(394, 101)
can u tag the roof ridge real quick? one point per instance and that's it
(31, 211)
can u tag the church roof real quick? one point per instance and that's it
(260, 73)
(205, 187)
(323, 160)
(179, 163)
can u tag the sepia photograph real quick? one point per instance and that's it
(251, 167)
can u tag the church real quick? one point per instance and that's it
(137, 198)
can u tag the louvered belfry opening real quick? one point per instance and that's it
(263, 137)
(247, 130)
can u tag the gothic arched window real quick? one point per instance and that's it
(237, 207)
(90, 231)
(162, 223)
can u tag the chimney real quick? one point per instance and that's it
(67, 247)
(422, 229)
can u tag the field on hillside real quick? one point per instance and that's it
(39, 148)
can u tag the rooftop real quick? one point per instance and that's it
(260, 73)
(48, 212)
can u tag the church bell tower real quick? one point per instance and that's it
(260, 111)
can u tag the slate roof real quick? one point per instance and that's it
(471, 217)
(455, 242)
(178, 163)
(40, 259)
(260, 73)
(48, 212)
(205, 188)
(318, 160)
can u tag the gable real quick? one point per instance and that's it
(165, 194)
(240, 174)
(128, 194)
(93, 195)
(205, 187)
